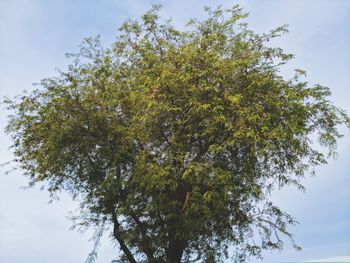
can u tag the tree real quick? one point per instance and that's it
(174, 140)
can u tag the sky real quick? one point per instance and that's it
(35, 35)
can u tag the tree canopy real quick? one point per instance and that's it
(173, 140)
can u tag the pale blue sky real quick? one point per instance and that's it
(34, 35)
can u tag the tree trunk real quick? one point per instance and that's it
(177, 243)
(175, 250)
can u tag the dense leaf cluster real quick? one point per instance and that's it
(173, 140)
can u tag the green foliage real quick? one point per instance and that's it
(131, 130)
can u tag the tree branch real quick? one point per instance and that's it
(118, 235)
(145, 242)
